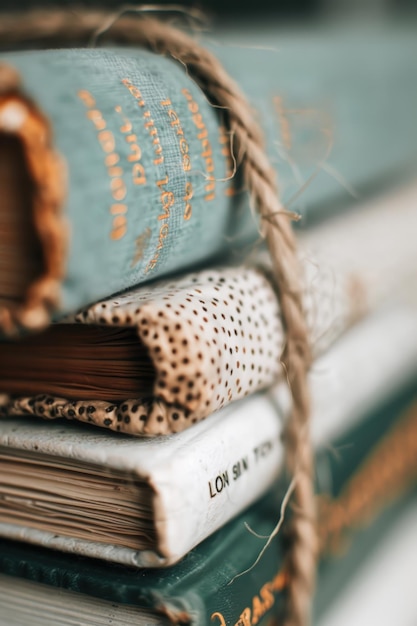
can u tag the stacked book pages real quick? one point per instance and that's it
(143, 398)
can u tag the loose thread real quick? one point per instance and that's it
(274, 533)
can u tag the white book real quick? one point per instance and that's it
(148, 502)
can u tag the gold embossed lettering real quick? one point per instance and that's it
(167, 199)
(207, 152)
(87, 98)
(387, 471)
(149, 122)
(163, 234)
(96, 117)
(161, 183)
(136, 154)
(117, 209)
(138, 170)
(107, 143)
(257, 610)
(141, 243)
(193, 106)
(106, 140)
(245, 618)
(267, 596)
(127, 126)
(115, 171)
(280, 581)
(188, 195)
(138, 173)
(151, 265)
(111, 159)
(119, 227)
(118, 189)
(185, 157)
(199, 122)
(260, 603)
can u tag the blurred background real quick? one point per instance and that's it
(283, 9)
(368, 591)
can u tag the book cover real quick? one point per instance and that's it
(150, 165)
(194, 482)
(158, 359)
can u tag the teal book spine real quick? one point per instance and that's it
(143, 154)
(132, 170)
(219, 583)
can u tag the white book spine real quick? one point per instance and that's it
(221, 473)
(201, 478)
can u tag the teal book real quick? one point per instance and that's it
(373, 469)
(116, 169)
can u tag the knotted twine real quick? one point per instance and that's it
(67, 28)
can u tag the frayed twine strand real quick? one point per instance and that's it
(60, 27)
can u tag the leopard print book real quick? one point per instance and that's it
(213, 337)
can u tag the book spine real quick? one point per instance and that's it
(231, 467)
(147, 163)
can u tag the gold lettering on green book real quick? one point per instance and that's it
(389, 470)
(138, 170)
(107, 142)
(207, 152)
(262, 602)
(166, 197)
(141, 243)
(148, 121)
(185, 156)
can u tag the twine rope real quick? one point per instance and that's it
(63, 27)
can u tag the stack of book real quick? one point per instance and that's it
(147, 492)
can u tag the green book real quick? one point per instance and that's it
(218, 582)
(115, 168)
(382, 590)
